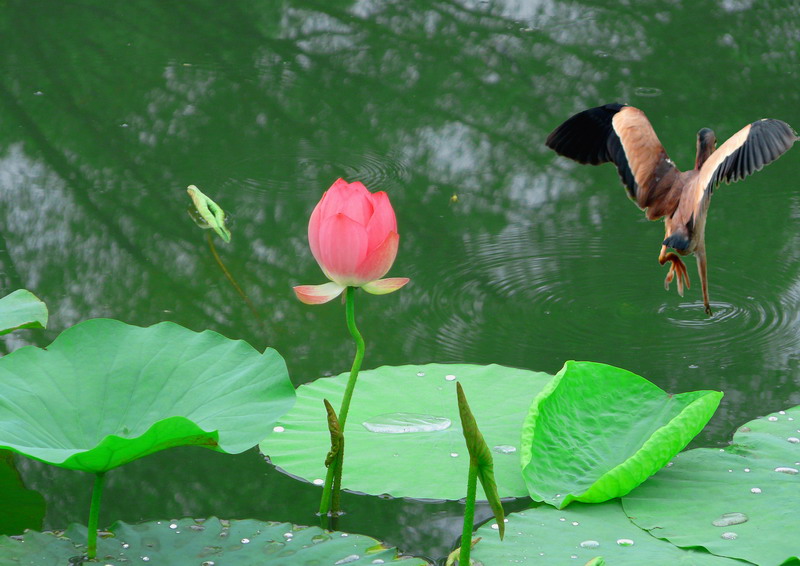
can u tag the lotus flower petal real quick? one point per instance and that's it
(384, 286)
(318, 294)
(379, 260)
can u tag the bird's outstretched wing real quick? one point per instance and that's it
(745, 152)
(622, 135)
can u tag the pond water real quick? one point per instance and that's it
(516, 256)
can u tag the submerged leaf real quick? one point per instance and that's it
(105, 393)
(20, 508)
(21, 309)
(481, 457)
(211, 215)
(597, 431)
(388, 460)
(739, 502)
(189, 542)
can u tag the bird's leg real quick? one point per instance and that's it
(677, 268)
(700, 254)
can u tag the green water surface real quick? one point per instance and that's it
(109, 109)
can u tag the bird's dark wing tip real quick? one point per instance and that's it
(766, 141)
(584, 136)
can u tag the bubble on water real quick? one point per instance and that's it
(347, 559)
(504, 449)
(729, 535)
(755, 490)
(647, 91)
(786, 470)
(624, 542)
(590, 544)
(450, 377)
(278, 429)
(403, 423)
(728, 519)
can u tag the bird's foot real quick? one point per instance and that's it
(677, 271)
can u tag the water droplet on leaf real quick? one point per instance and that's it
(402, 423)
(728, 519)
(590, 544)
(785, 470)
(625, 542)
(504, 449)
(729, 535)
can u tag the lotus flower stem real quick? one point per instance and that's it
(360, 347)
(333, 479)
(94, 515)
(230, 278)
(469, 514)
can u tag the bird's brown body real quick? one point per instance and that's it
(623, 135)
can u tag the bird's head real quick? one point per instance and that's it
(706, 144)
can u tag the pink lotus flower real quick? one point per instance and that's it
(353, 236)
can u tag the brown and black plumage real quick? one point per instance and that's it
(622, 135)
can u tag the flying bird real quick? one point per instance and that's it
(623, 135)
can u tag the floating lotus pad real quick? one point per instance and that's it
(429, 464)
(21, 309)
(576, 535)
(597, 431)
(105, 393)
(740, 502)
(193, 543)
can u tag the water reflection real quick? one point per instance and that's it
(114, 110)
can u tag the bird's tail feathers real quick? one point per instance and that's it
(678, 240)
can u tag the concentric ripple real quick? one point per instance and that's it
(526, 289)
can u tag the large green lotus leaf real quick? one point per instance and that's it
(21, 309)
(573, 536)
(105, 393)
(204, 543)
(423, 465)
(741, 502)
(597, 431)
(20, 508)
